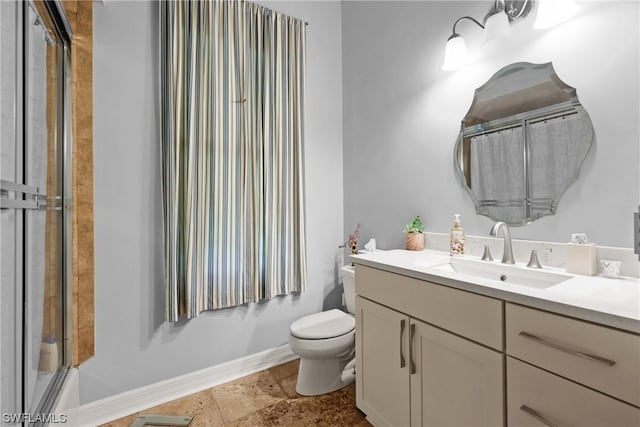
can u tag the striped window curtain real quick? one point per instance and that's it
(232, 84)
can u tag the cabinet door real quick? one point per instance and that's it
(454, 382)
(382, 369)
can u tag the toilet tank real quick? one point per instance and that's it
(349, 285)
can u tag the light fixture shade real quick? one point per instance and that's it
(496, 27)
(554, 12)
(455, 53)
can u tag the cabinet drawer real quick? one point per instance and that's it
(473, 316)
(538, 398)
(599, 357)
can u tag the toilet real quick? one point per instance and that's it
(325, 342)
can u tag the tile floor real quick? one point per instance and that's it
(267, 398)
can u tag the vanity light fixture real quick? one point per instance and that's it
(495, 27)
(496, 24)
(455, 52)
(554, 12)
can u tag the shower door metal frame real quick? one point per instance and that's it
(18, 123)
(63, 131)
(27, 197)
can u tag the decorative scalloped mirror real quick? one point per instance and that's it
(522, 143)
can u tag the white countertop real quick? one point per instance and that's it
(607, 301)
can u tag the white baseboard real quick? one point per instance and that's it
(123, 404)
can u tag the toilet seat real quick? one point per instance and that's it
(323, 325)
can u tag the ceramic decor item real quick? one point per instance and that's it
(581, 259)
(415, 241)
(415, 235)
(610, 268)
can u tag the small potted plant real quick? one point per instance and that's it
(415, 235)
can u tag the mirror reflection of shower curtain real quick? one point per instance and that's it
(555, 164)
(500, 181)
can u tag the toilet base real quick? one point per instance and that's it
(320, 376)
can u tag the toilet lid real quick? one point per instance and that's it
(326, 324)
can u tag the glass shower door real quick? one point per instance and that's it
(34, 218)
(43, 227)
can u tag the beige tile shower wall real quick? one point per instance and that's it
(80, 15)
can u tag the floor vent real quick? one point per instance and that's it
(161, 421)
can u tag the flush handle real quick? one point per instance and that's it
(402, 361)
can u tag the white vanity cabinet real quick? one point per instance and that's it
(433, 355)
(417, 362)
(593, 376)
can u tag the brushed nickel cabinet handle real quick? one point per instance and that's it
(402, 361)
(567, 349)
(412, 363)
(535, 414)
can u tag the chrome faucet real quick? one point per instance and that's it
(533, 260)
(507, 255)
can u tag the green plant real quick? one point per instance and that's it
(416, 226)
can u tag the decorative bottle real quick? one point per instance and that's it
(456, 242)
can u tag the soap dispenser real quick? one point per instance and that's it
(456, 242)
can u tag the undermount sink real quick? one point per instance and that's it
(502, 273)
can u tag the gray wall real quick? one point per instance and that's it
(133, 345)
(402, 115)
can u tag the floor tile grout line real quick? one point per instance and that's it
(272, 386)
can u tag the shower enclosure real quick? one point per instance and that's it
(35, 207)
